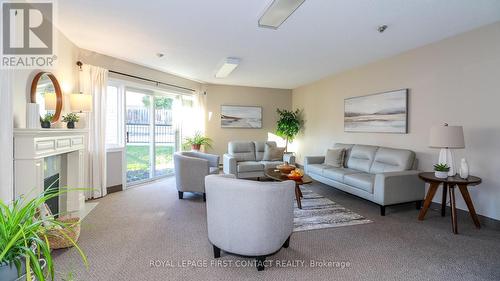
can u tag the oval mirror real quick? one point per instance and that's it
(46, 92)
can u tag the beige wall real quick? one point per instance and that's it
(269, 99)
(456, 80)
(65, 71)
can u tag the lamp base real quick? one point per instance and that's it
(446, 157)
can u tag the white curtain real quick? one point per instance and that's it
(94, 81)
(6, 137)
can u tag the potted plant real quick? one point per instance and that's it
(24, 248)
(46, 120)
(197, 141)
(289, 125)
(441, 170)
(70, 120)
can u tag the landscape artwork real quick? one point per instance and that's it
(241, 117)
(379, 113)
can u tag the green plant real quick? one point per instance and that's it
(441, 168)
(47, 118)
(23, 234)
(198, 140)
(70, 117)
(289, 124)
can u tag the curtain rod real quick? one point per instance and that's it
(79, 63)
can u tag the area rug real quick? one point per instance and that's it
(319, 212)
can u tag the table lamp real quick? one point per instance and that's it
(447, 138)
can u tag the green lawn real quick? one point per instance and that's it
(138, 161)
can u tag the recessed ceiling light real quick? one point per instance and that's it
(229, 65)
(382, 28)
(278, 12)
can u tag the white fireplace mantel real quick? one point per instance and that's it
(31, 146)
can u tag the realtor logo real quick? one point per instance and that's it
(27, 34)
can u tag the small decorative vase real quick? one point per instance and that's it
(45, 124)
(441, 175)
(464, 169)
(70, 125)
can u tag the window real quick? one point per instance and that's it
(114, 116)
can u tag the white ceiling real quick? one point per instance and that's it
(321, 38)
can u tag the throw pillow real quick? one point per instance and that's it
(273, 153)
(335, 157)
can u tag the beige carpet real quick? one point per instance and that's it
(146, 233)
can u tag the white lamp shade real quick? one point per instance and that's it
(80, 102)
(50, 101)
(447, 137)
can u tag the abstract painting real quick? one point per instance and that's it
(378, 113)
(241, 117)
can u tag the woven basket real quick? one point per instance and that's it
(59, 241)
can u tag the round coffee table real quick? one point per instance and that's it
(449, 183)
(276, 175)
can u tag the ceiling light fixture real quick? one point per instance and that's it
(229, 65)
(277, 13)
(160, 55)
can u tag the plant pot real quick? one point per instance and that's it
(70, 125)
(8, 272)
(441, 175)
(196, 147)
(45, 124)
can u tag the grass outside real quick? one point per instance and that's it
(138, 161)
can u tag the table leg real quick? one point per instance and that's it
(298, 194)
(470, 206)
(453, 209)
(428, 200)
(443, 200)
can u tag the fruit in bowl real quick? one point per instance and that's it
(285, 168)
(296, 174)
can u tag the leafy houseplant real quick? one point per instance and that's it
(289, 125)
(46, 120)
(441, 170)
(24, 246)
(197, 141)
(70, 120)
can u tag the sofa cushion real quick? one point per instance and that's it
(242, 150)
(260, 147)
(347, 147)
(392, 160)
(271, 164)
(273, 153)
(362, 181)
(316, 168)
(335, 157)
(361, 157)
(250, 166)
(337, 174)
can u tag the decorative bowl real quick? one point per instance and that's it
(285, 169)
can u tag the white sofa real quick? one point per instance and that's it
(249, 218)
(244, 159)
(385, 176)
(191, 167)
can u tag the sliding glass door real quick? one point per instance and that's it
(150, 135)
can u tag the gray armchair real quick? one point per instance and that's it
(191, 167)
(249, 218)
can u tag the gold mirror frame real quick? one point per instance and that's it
(57, 89)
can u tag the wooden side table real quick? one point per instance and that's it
(449, 184)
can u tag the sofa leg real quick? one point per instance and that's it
(418, 204)
(204, 197)
(382, 210)
(260, 263)
(287, 242)
(181, 194)
(216, 252)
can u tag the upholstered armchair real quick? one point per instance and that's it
(191, 167)
(249, 218)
